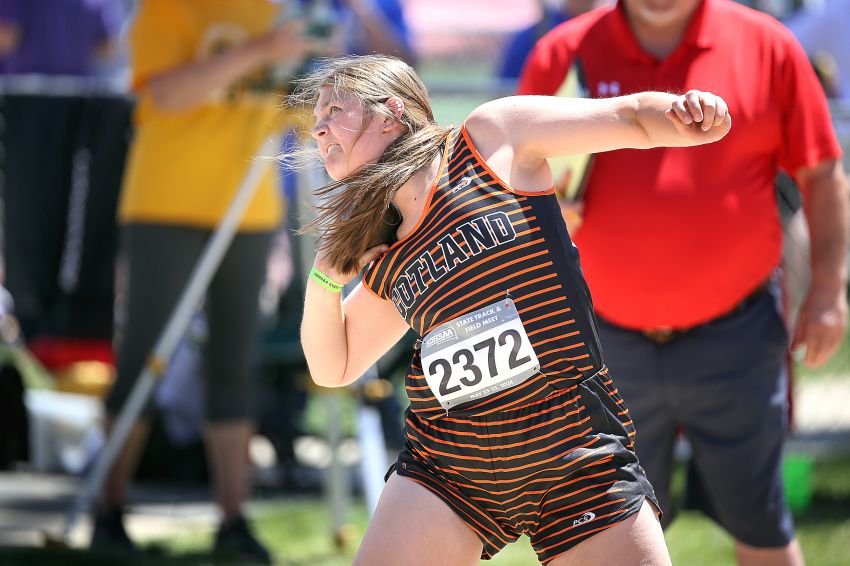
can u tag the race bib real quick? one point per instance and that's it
(478, 354)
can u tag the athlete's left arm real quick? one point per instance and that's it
(823, 317)
(516, 134)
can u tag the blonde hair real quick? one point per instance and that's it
(351, 212)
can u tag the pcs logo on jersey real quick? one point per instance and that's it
(464, 182)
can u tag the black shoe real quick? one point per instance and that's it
(234, 542)
(109, 534)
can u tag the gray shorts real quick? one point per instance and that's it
(160, 261)
(725, 385)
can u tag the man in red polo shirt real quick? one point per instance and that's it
(681, 257)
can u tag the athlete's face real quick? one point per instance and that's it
(348, 138)
(661, 14)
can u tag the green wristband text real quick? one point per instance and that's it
(325, 281)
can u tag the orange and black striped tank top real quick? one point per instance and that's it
(477, 241)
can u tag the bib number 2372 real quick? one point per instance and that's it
(478, 354)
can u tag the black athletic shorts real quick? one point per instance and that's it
(558, 470)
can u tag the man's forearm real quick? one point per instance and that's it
(181, 89)
(828, 214)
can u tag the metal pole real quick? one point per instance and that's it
(373, 449)
(169, 338)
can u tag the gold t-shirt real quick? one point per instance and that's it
(185, 167)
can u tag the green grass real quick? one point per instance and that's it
(823, 528)
(298, 531)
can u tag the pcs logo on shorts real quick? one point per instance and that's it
(586, 518)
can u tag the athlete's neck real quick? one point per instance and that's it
(410, 198)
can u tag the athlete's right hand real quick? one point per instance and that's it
(700, 117)
(322, 264)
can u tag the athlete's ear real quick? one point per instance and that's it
(396, 107)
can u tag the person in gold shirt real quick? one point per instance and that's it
(203, 74)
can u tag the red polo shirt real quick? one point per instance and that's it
(677, 237)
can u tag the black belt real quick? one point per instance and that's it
(664, 335)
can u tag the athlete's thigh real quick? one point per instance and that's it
(636, 541)
(412, 526)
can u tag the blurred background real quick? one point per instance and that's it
(66, 122)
